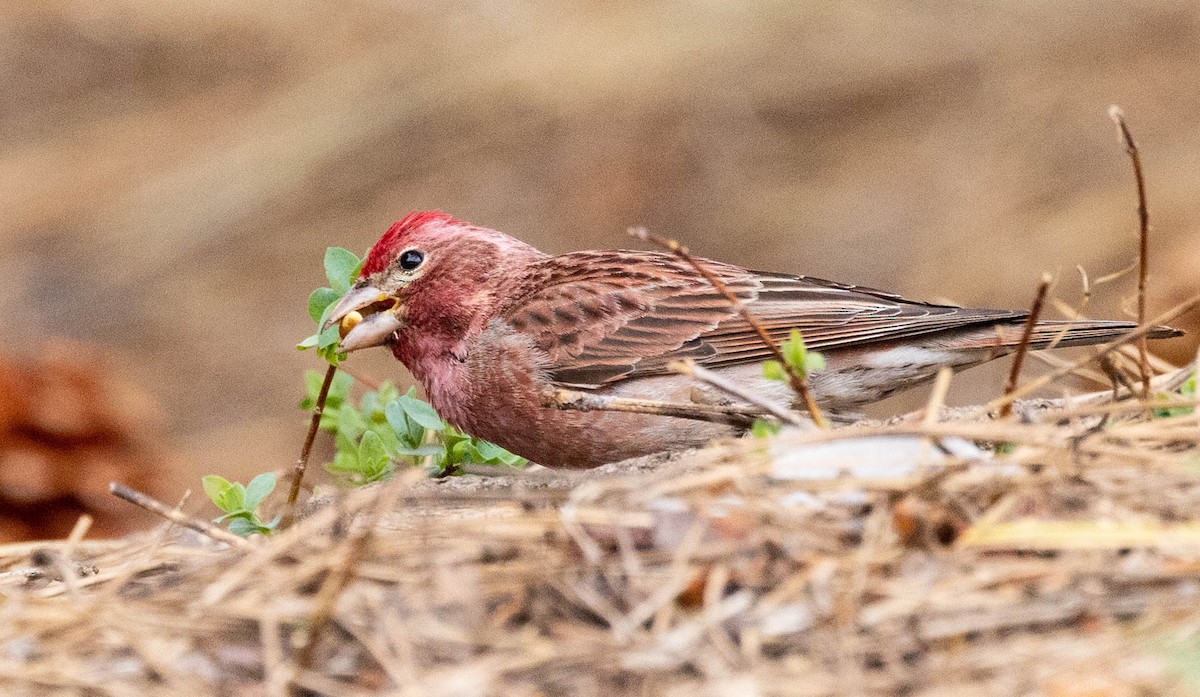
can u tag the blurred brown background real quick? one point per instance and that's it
(172, 172)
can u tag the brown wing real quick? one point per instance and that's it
(603, 316)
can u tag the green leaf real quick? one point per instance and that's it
(216, 486)
(259, 488)
(235, 497)
(773, 370)
(349, 422)
(421, 413)
(794, 351)
(461, 451)
(227, 496)
(340, 267)
(319, 300)
(371, 453)
(308, 343)
(345, 445)
(344, 461)
(488, 451)
(245, 528)
(764, 429)
(408, 431)
(423, 451)
(815, 362)
(243, 513)
(328, 337)
(339, 389)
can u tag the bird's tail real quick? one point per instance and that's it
(1063, 333)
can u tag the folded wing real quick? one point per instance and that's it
(605, 316)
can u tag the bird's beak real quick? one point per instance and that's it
(366, 317)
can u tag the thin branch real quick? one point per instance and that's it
(172, 514)
(937, 396)
(689, 368)
(289, 514)
(1014, 372)
(732, 415)
(798, 382)
(1118, 117)
(1102, 350)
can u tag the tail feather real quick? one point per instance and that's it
(1063, 333)
(1054, 333)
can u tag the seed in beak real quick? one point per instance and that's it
(350, 321)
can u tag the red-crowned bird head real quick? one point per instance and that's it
(430, 274)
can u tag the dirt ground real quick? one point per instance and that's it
(899, 558)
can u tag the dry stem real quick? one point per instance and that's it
(172, 514)
(733, 415)
(1102, 350)
(302, 463)
(689, 368)
(798, 382)
(1030, 322)
(1118, 117)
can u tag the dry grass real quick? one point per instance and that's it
(856, 561)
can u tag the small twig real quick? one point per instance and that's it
(798, 382)
(1101, 350)
(172, 514)
(1118, 117)
(733, 415)
(689, 368)
(1116, 377)
(135, 567)
(289, 514)
(1058, 362)
(937, 396)
(1014, 372)
(82, 524)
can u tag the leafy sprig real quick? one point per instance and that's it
(386, 428)
(341, 268)
(803, 361)
(240, 503)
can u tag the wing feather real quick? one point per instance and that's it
(611, 315)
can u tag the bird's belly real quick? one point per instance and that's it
(497, 395)
(860, 376)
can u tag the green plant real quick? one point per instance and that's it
(1187, 389)
(386, 427)
(240, 503)
(761, 428)
(803, 361)
(341, 267)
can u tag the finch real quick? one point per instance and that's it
(487, 324)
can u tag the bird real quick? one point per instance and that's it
(487, 324)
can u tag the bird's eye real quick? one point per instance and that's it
(411, 259)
